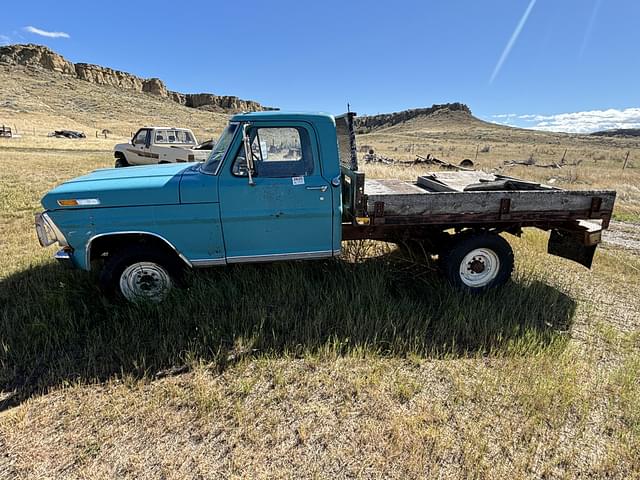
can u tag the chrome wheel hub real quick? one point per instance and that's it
(479, 267)
(145, 280)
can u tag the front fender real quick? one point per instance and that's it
(193, 230)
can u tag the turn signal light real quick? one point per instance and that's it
(74, 202)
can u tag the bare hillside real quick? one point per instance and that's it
(44, 101)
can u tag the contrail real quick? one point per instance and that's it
(512, 40)
(587, 33)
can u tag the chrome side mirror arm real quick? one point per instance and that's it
(248, 153)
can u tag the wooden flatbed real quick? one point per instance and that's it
(444, 207)
(442, 197)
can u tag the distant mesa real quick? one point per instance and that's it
(39, 57)
(367, 123)
(618, 132)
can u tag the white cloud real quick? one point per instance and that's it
(575, 122)
(4, 40)
(587, 122)
(45, 33)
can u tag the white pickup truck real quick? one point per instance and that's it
(160, 145)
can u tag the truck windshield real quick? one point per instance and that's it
(217, 154)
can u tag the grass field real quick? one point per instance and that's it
(368, 367)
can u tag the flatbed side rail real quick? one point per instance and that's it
(491, 207)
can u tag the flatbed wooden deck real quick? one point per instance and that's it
(440, 197)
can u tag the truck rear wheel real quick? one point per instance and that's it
(478, 262)
(140, 273)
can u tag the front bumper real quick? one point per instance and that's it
(48, 234)
(65, 257)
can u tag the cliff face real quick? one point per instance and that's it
(368, 123)
(42, 58)
(108, 76)
(209, 101)
(36, 57)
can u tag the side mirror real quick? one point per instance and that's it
(248, 153)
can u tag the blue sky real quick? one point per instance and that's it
(568, 65)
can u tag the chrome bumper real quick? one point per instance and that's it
(64, 257)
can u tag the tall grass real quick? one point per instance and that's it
(55, 325)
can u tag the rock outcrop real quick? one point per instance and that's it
(368, 123)
(208, 101)
(107, 76)
(43, 58)
(155, 86)
(36, 56)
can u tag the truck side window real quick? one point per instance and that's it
(161, 136)
(141, 137)
(279, 152)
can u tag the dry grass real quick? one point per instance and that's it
(401, 378)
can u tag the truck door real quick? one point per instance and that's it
(141, 151)
(287, 214)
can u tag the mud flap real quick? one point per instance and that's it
(571, 245)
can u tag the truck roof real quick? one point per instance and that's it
(166, 128)
(281, 115)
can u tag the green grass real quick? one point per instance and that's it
(58, 319)
(631, 217)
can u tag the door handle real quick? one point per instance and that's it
(322, 188)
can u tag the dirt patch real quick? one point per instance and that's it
(624, 235)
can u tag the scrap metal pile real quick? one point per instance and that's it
(372, 157)
(67, 134)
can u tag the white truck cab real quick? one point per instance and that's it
(159, 145)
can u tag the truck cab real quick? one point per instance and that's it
(152, 145)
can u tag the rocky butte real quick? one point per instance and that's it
(39, 57)
(368, 123)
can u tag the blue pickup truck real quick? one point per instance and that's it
(286, 186)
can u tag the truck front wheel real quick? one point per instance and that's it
(121, 162)
(140, 273)
(478, 262)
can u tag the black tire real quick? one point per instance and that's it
(121, 162)
(466, 163)
(140, 272)
(477, 262)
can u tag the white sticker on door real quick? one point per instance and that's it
(297, 180)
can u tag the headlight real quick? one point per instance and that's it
(48, 233)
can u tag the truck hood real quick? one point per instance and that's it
(118, 187)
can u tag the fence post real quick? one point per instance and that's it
(624, 165)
